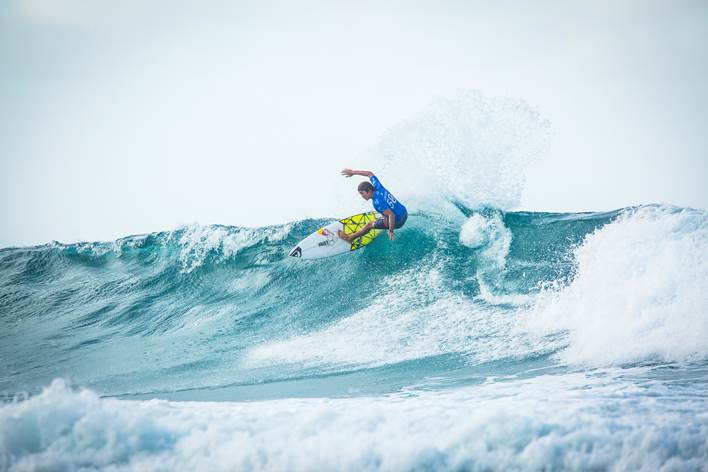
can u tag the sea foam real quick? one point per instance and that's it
(510, 425)
(639, 292)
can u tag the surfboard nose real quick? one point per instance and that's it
(297, 252)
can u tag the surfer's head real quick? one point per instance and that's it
(366, 190)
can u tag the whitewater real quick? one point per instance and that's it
(483, 338)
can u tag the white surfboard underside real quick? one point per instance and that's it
(322, 243)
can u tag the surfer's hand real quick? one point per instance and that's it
(390, 235)
(347, 172)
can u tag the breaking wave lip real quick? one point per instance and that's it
(198, 241)
(67, 429)
(638, 292)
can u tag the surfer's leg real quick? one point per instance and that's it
(379, 223)
(349, 237)
(401, 220)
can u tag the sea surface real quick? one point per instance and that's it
(478, 340)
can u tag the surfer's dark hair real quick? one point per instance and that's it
(366, 186)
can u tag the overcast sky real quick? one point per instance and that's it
(136, 116)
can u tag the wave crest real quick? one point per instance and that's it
(639, 291)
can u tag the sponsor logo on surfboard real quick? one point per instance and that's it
(297, 252)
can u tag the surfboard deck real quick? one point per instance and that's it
(326, 243)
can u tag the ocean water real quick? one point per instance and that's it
(481, 339)
(489, 341)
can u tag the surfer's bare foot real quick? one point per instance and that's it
(343, 235)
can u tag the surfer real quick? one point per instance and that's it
(394, 213)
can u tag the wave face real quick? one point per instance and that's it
(469, 314)
(204, 307)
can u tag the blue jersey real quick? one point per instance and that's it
(383, 200)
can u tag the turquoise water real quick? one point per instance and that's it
(478, 340)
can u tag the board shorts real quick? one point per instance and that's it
(382, 223)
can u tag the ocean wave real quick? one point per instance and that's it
(506, 424)
(207, 307)
(197, 242)
(638, 292)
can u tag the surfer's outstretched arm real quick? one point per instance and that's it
(350, 172)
